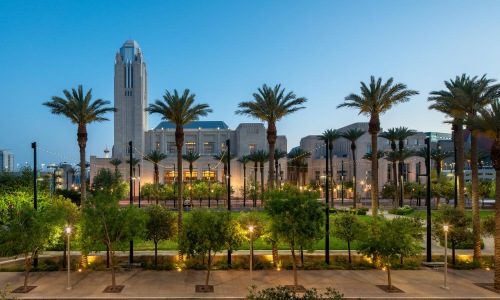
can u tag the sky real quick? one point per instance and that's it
(224, 50)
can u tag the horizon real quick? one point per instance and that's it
(223, 51)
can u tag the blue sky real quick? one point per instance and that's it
(224, 50)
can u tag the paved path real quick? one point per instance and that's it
(234, 284)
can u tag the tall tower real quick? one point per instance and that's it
(131, 100)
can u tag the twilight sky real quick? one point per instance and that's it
(224, 50)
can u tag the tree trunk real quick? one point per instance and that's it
(82, 144)
(156, 253)
(294, 264)
(389, 281)
(374, 175)
(275, 253)
(353, 149)
(179, 141)
(349, 250)
(113, 280)
(460, 166)
(476, 225)
(271, 139)
(208, 269)
(27, 261)
(262, 183)
(497, 218)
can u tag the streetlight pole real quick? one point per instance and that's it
(428, 198)
(139, 178)
(131, 202)
(251, 255)
(445, 229)
(228, 189)
(209, 174)
(342, 180)
(35, 190)
(327, 211)
(68, 232)
(175, 199)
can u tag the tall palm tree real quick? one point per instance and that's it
(116, 162)
(278, 154)
(271, 105)
(330, 135)
(488, 123)
(402, 133)
(81, 110)
(374, 100)
(155, 157)
(179, 110)
(191, 157)
(391, 136)
(353, 135)
(244, 160)
(481, 154)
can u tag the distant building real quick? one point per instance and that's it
(7, 161)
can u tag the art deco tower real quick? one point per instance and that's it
(131, 98)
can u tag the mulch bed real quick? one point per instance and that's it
(489, 286)
(22, 290)
(300, 288)
(110, 289)
(393, 289)
(203, 289)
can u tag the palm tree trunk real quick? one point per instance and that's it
(476, 226)
(82, 144)
(179, 196)
(271, 139)
(395, 180)
(374, 175)
(495, 157)
(262, 183)
(460, 166)
(355, 179)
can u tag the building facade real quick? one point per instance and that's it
(7, 161)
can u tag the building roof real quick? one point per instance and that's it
(131, 44)
(195, 125)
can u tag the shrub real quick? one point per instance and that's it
(281, 292)
(405, 210)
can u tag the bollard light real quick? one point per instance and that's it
(445, 229)
(68, 233)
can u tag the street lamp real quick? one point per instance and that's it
(251, 254)
(209, 174)
(445, 229)
(68, 232)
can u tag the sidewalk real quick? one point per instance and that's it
(140, 284)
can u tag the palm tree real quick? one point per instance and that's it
(402, 133)
(278, 154)
(116, 162)
(438, 156)
(222, 157)
(191, 157)
(81, 110)
(244, 160)
(156, 157)
(330, 135)
(368, 155)
(271, 105)
(262, 157)
(179, 110)
(134, 163)
(481, 154)
(374, 100)
(488, 123)
(391, 136)
(353, 135)
(296, 159)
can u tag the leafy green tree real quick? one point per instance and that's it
(347, 227)
(271, 105)
(207, 232)
(459, 224)
(374, 100)
(79, 108)
(392, 239)
(110, 182)
(200, 190)
(296, 221)
(103, 220)
(179, 110)
(159, 226)
(28, 232)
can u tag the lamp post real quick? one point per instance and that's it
(68, 232)
(139, 178)
(342, 180)
(131, 255)
(445, 229)
(175, 199)
(251, 254)
(327, 210)
(209, 174)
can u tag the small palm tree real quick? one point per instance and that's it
(116, 162)
(278, 154)
(191, 157)
(244, 160)
(368, 155)
(353, 135)
(296, 158)
(222, 157)
(180, 110)
(488, 123)
(374, 100)
(330, 135)
(81, 110)
(262, 157)
(255, 159)
(439, 155)
(391, 136)
(271, 105)
(156, 157)
(402, 133)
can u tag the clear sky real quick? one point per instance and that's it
(224, 50)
